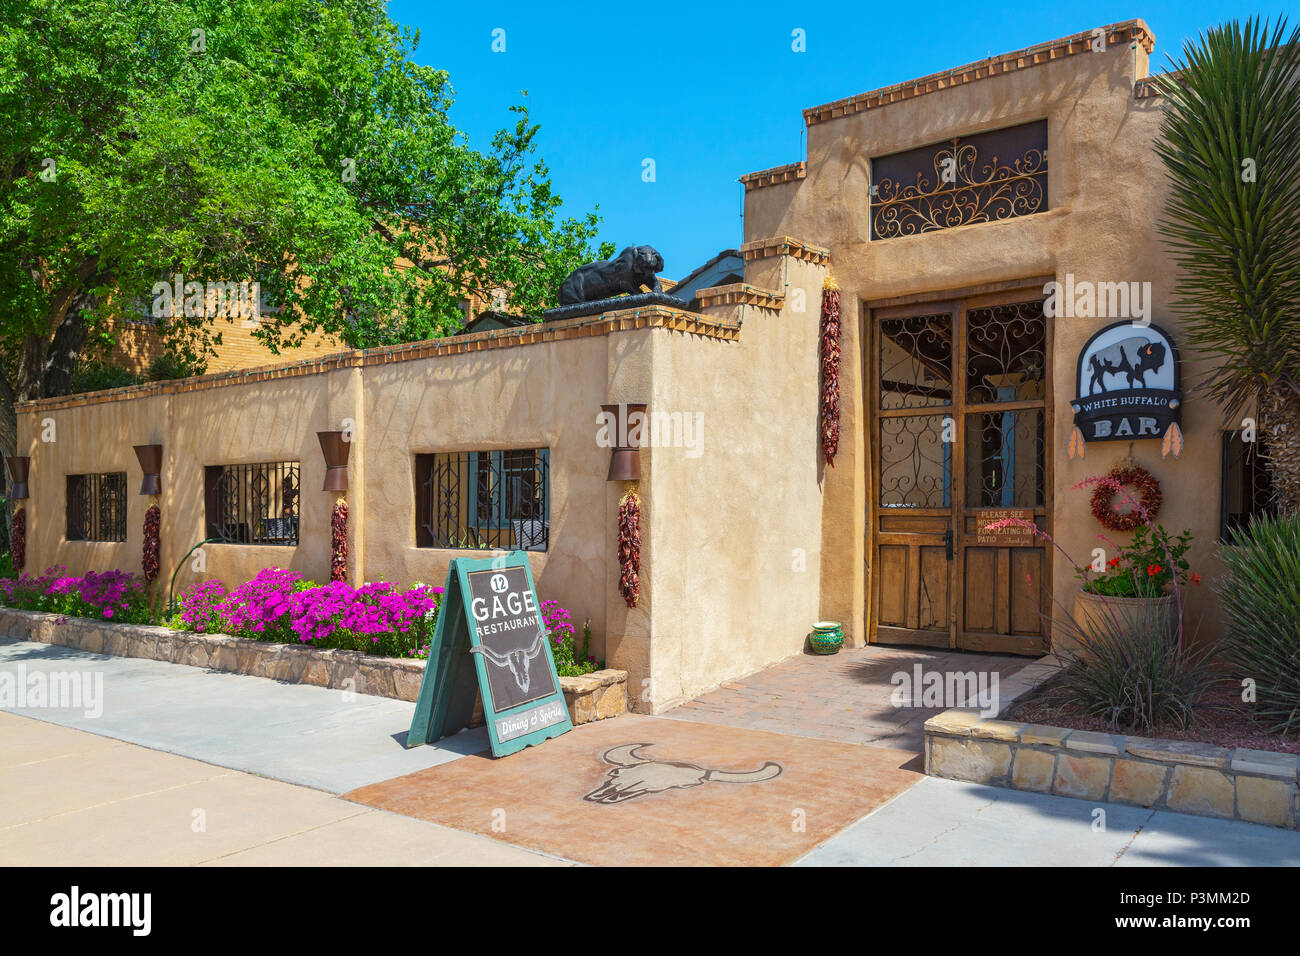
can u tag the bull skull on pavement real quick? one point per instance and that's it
(635, 775)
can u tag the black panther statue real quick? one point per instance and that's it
(632, 268)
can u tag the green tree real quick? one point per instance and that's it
(290, 142)
(1230, 140)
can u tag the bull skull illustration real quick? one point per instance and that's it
(518, 661)
(635, 775)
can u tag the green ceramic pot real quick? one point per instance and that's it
(827, 637)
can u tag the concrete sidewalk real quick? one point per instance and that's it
(72, 798)
(313, 736)
(949, 823)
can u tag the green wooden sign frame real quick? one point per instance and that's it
(455, 674)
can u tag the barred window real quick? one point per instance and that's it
(252, 504)
(983, 177)
(1247, 490)
(97, 507)
(483, 499)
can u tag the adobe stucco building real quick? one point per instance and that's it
(956, 403)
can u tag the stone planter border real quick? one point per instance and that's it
(590, 697)
(1256, 786)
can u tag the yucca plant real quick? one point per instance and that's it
(1230, 142)
(1130, 672)
(1260, 595)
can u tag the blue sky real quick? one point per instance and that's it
(710, 92)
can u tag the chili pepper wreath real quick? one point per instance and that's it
(629, 547)
(830, 397)
(1144, 487)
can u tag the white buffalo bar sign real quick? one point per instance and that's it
(1128, 388)
(490, 628)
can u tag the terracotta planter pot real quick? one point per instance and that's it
(1093, 614)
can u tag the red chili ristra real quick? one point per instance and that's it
(629, 548)
(830, 393)
(18, 539)
(339, 542)
(149, 562)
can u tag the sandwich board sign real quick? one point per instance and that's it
(490, 641)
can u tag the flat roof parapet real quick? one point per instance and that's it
(784, 246)
(1129, 31)
(740, 293)
(790, 172)
(608, 323)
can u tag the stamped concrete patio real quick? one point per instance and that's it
(644, 791)
(844, 697)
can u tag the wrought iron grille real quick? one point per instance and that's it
(1006, 353)
(915, 462)
(97, 507)
(483, 499)
(253, 504)
(916, 361)
(986, 177)
(1247, 487)
(1004, 459)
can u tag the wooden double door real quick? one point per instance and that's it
(960, 435)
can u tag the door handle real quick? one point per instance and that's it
(947, 542)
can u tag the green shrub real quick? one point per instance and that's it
(1260, 595)
(1130, 671)
(96, 376)
(169, 366)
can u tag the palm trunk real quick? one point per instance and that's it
(1279, 421)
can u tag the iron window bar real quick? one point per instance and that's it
(253, 503)
(496, 500)
(982, 177)
(96, 507)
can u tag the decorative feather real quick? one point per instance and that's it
(1173, 441)
(1077, 444)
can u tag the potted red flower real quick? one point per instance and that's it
(1137, 582)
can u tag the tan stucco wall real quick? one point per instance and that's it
(544, 395)
(1105, 188)
(734, 514)
(737, 530)
(540, 396)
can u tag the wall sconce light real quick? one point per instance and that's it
(18, 469)
(150, 457)
(335, 450)
(629, 424)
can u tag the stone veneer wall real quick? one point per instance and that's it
(1256, 786)
(591, 697)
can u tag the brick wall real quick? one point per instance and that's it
(136, 344)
